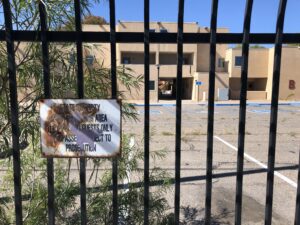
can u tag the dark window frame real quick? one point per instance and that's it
(238, 61)
(152, 85)
(221, 62)
(128, 60)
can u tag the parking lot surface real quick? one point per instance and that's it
(193, 159)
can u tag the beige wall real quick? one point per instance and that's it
(90, 27)
(221, 53)
(251, 95)
(126, 26)
(256, 95)
(270, 73)
(199, 92)
(134, 47)
(261, 63)
(290, 70)
(138, 94)
(257, 64)
(203, 57)
(258, 59)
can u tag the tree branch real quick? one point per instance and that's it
(8, 153)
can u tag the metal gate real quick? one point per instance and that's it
(212, 38)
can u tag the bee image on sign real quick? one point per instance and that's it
(80, 127)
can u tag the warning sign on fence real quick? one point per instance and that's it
(80, 127)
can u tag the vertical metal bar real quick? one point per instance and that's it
(113, 96)
(147, 113)
(14, 110)
(274, 111)
(210, 122)
(47, 94)
(178, 109)
(297, 214)
(242, 116)
(158, 68)
(80, 92)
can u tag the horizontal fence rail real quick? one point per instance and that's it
(138, 37)
(180, 38)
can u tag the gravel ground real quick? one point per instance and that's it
(193, 159)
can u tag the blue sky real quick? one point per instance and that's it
(230, 13)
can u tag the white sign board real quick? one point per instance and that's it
(80, 127)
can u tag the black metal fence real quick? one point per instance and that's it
(212, 38)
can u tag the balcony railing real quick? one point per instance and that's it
(164, 70)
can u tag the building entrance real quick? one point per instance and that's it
(167, 88)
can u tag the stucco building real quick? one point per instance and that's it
(163, 59)
(260, 72)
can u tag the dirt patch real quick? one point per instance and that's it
(253, 212)
(223, 211)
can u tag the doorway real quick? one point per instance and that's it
(167, 88)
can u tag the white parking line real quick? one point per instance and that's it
(289, 181)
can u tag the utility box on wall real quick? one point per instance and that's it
(223, 94)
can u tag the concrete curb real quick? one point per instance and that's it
(220, 104)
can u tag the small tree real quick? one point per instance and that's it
(95, 20)
(63, 85)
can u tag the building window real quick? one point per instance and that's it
(152, 85)
(89, 59)
(163, 30)
(238, 61)
(125, 60)
(185, 61)
(152, 30)
(221, 62)
(292, 85)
